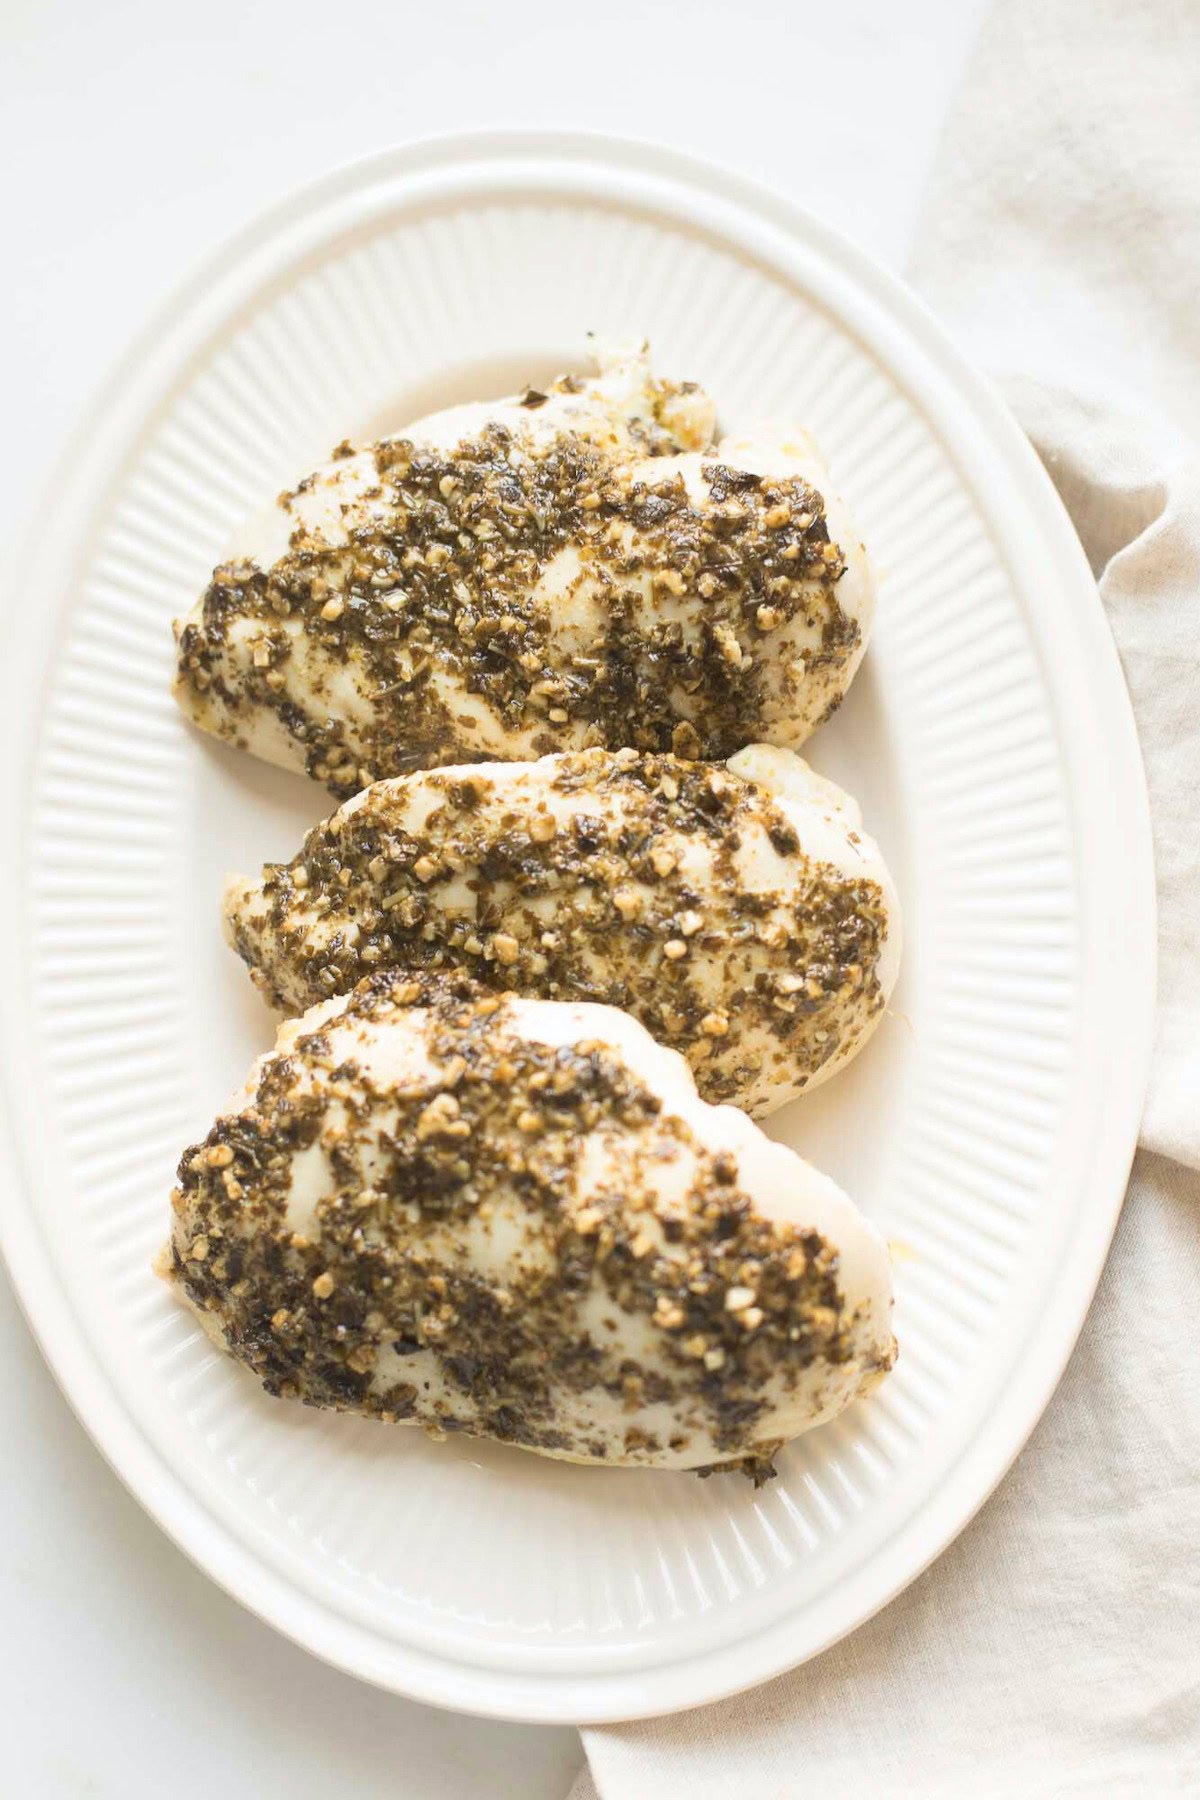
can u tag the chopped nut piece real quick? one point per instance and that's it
(441, 1119)
(737, 1299)
(685, 741)
(322, 1287)
(728, 645)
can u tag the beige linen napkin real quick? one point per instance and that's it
(1055, 1648)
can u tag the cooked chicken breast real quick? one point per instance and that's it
(740, 914)
(576, 568)
(516, 1218)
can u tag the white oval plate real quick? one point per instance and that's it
(988, 1128)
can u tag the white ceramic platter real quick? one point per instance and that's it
(988, 1128)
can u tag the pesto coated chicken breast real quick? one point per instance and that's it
(516, 1218)
(739, 912)
(579, 567)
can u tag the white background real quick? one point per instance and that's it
(134, 136)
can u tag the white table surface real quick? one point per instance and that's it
(135, 135)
